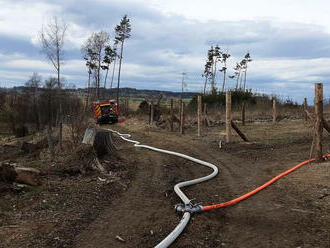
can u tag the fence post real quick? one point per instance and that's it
(182, 118)
(243, 113)
(305, 108)
(318, 104)
(205, 119)
(199, 115)
(180, 109)
(151, 113)
(274, 111)
(172, 115)
(228, 117)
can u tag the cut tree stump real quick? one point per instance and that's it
(100, 139)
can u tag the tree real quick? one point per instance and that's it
(114, 65)
(90, 59)
(52, 40)
(93, 52)
(207, 74)
(224, 57)
(247, 59)
(214, 55)
(123, 31)
(237, 73)
(109, 57)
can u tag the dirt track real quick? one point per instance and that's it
(137, 203)
(293, 212)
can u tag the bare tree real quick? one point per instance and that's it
(52, 40)
(93, 49)
(123, 32)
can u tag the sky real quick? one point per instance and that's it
(289, 41)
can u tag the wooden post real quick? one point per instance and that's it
(243, 113)
(182, 118)
(205, 118)
(172, 116)
(228, 117)
(274, 111)
(180, 110)
(151, 113)
(199, 115)
(305, 108)
(318, 104)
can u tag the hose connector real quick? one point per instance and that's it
(190, 208)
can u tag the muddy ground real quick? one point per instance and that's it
(138, 205)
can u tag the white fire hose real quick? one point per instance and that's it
(187, 207)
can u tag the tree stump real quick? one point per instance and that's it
(100, 139)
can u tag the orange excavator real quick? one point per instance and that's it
(106, 112)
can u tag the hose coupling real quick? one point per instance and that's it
(191, 208)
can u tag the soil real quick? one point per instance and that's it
(137, 210)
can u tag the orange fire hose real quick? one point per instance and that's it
(251, 193)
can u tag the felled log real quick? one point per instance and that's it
(10, 172)
(235, 127)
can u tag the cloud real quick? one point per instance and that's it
(167, 41)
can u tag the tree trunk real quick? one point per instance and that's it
(113, 71)
(224, 80)
(50, 143)
(238, 76)
(205, 85)
(121, 57)
(240, 83)
(105, 79)
(245, 78)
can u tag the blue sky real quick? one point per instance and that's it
(289, 41)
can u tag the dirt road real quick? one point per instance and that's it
(293, 212)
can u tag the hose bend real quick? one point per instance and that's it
(177, 188)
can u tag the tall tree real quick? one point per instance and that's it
(52, 40)
(109, 57)
(207, 74)
(237, 73)
(94, 49)
(123, 32)
(224, 57)
(90, 59)
(247, 59)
